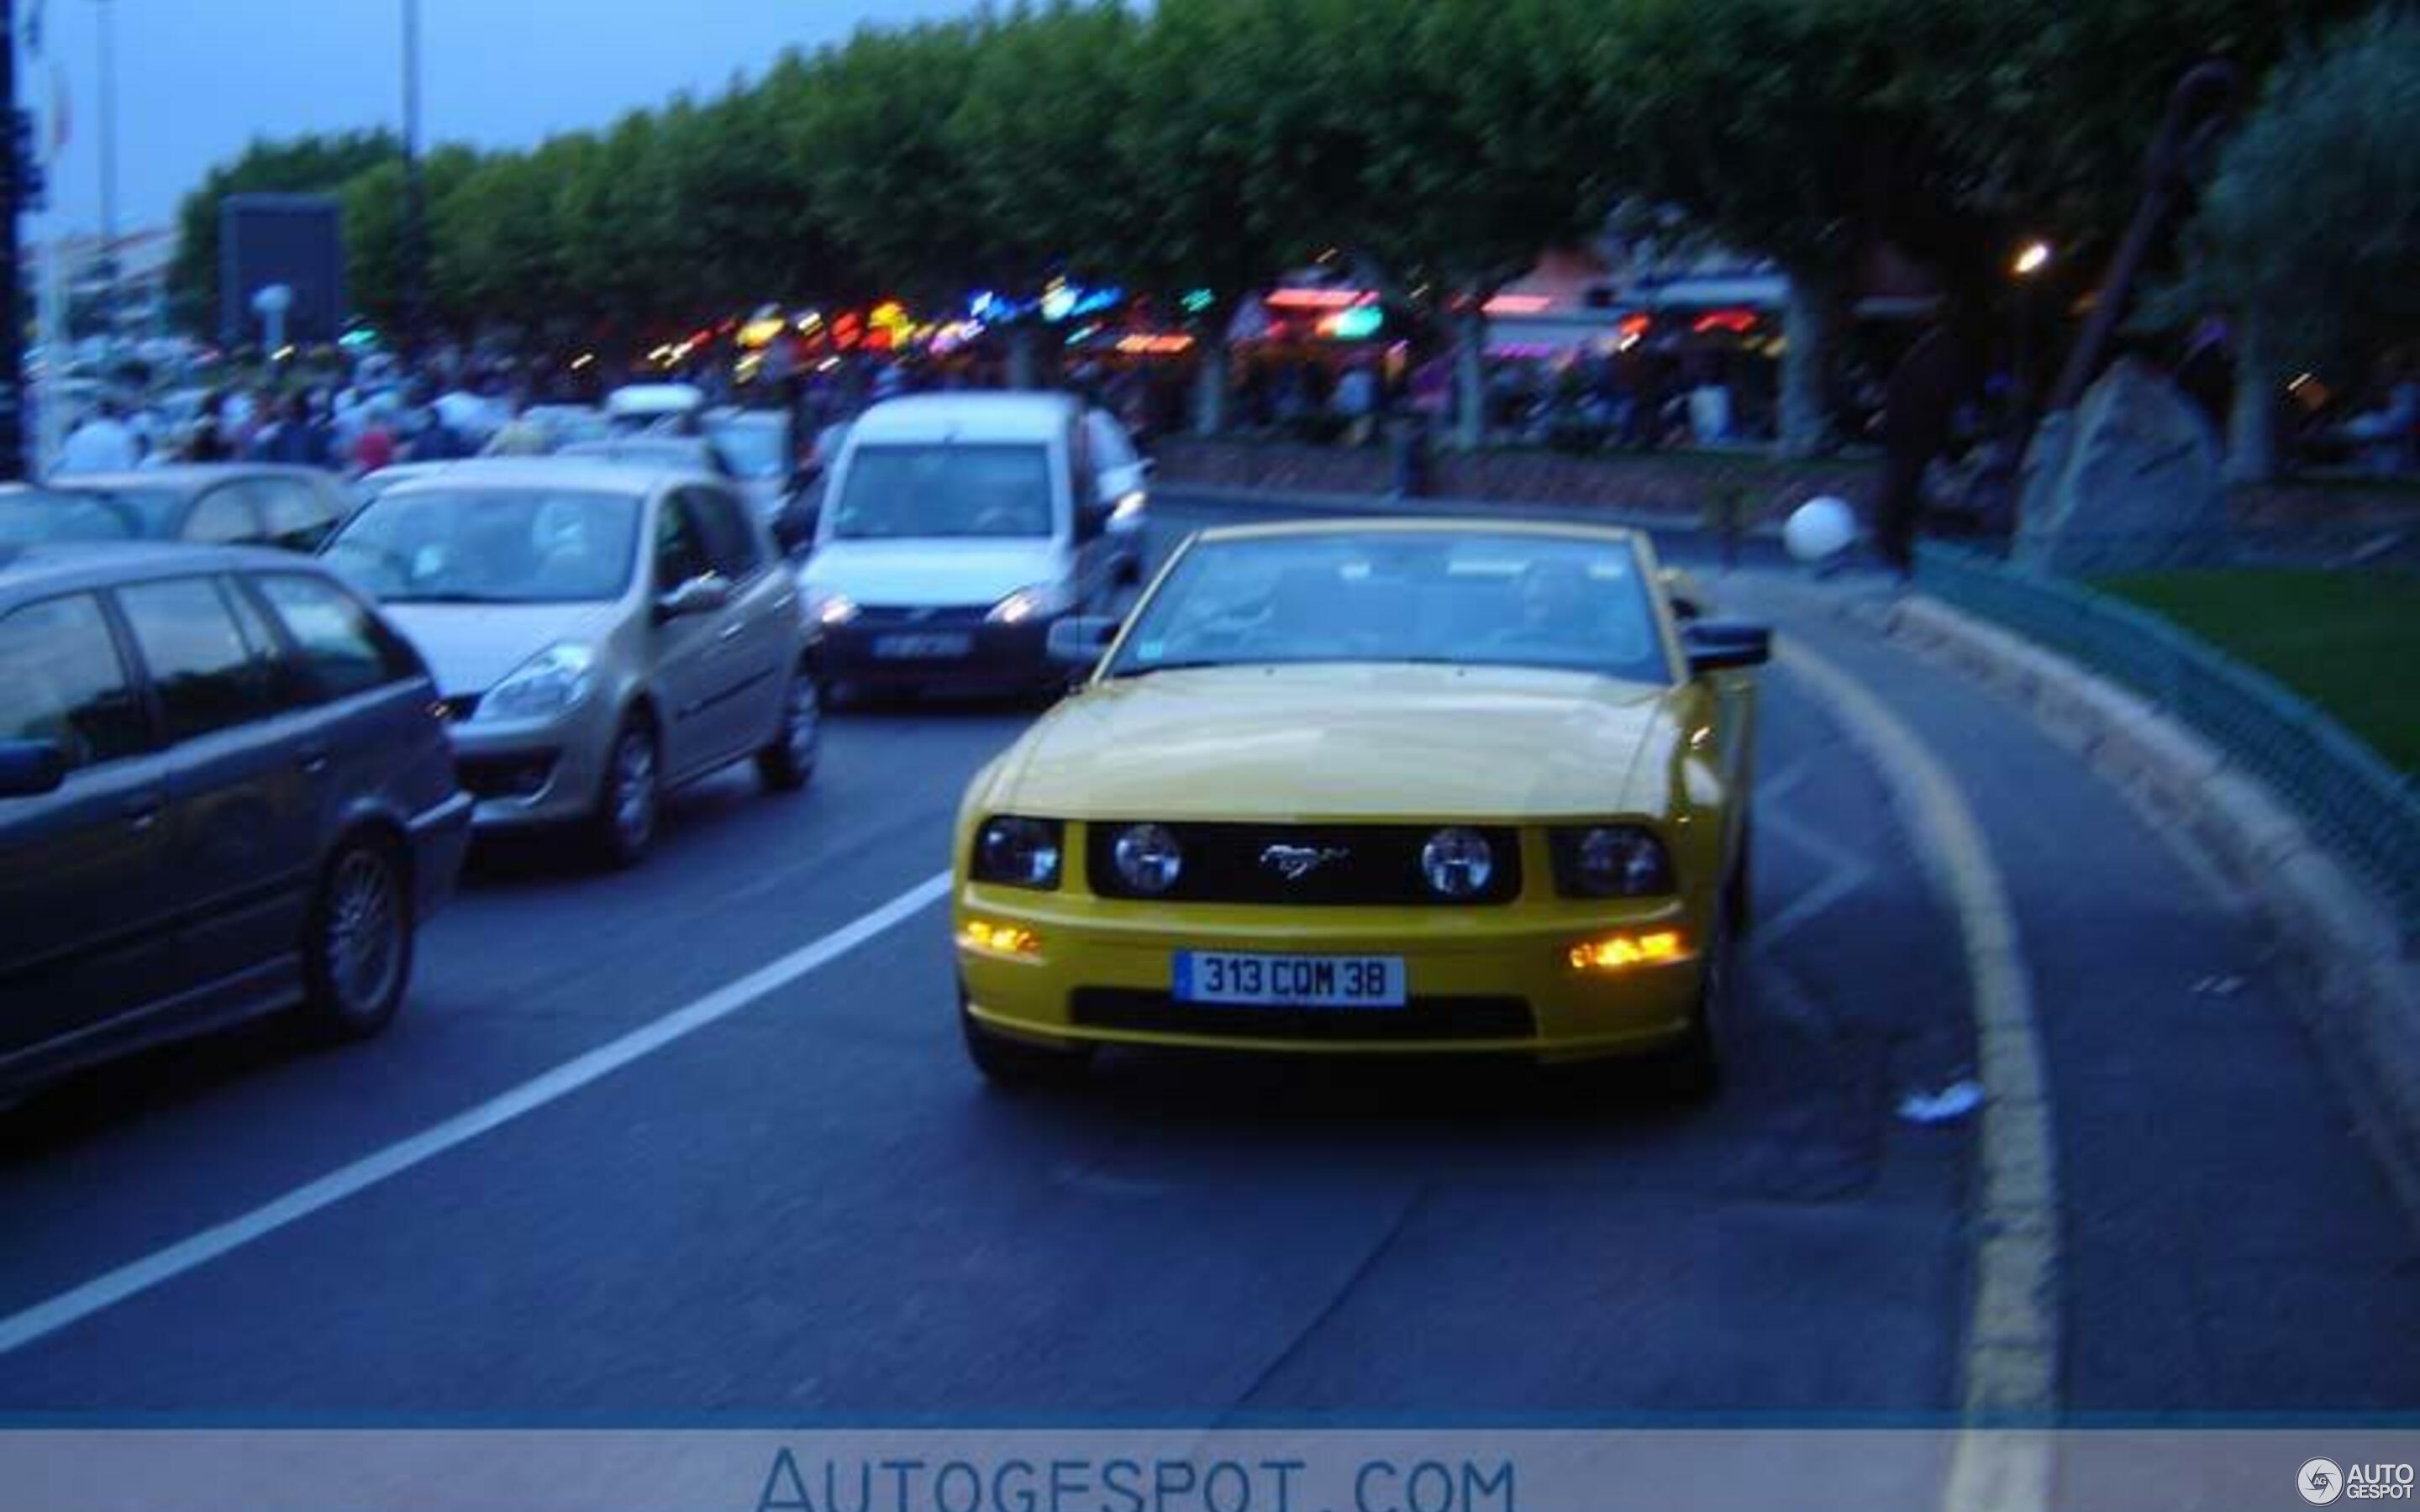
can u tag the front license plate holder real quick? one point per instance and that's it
(1250, 979)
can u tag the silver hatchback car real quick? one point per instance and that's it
(598, 633)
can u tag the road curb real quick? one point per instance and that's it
(2359, 990)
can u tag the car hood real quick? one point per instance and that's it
(1358, 741)
(470, 648)
(931, 573)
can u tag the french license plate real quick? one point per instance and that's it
(919, 647)
(1348, 981)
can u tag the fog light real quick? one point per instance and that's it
(1620, 952)
(998, 939)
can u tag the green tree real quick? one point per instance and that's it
(301, 165)
(2310, 231)
(1481, 147)
(625, 207)
(2047, 108)
(1783, 128)
(1214, 163)
(1047, 88)
(869, 137)
(372, 203)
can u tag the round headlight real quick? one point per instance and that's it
(1022, 852)
(1458, 862)
(1148, 857)
(1616, 861)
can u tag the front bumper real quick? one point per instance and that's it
(997, 656)
(523, 773)
(1485, 981)
(440, 839)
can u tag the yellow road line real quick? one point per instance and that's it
(2009, 1366)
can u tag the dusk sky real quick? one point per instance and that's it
(197, 79)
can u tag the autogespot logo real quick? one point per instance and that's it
(2322, 1482)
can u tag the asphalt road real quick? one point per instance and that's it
(809, 1205)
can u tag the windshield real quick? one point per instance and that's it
(756, 449)
(922, 492)
(1471, 600)
(63, 517)
(490, 546)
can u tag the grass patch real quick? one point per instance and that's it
(2345, 641)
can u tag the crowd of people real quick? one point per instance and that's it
(353, 419)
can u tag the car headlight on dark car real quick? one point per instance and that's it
(1149, 859)
(1018, 853)
(1457, 862)
(1611, 861)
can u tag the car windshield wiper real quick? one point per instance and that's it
(442, 596)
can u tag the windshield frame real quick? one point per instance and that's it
(634, 554)
(1121, 662)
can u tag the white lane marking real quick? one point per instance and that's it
(2010, 1364)
(161, 1266)
(1849, 872)
(1780, 784)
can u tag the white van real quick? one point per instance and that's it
(638, 407)
(957, 528)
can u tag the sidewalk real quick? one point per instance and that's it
(2229, 1241)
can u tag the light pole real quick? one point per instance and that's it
(2027, 267)
(13, 161)
(414, 233)
(106, 15)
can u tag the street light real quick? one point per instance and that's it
(2030, 260)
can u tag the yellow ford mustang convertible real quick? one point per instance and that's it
(1372, 788)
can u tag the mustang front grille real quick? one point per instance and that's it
(1315, 865)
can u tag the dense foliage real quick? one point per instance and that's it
(1207, 144)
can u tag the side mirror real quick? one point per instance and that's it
(1092, 518)
(1080, 641)
(1725, 646)
(29, 768)
(701, 594)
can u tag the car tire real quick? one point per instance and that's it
(786, 764)
(629, 795)
(358, 940)
(1692, 1071)
(1739, 893)
(1016, 1065)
